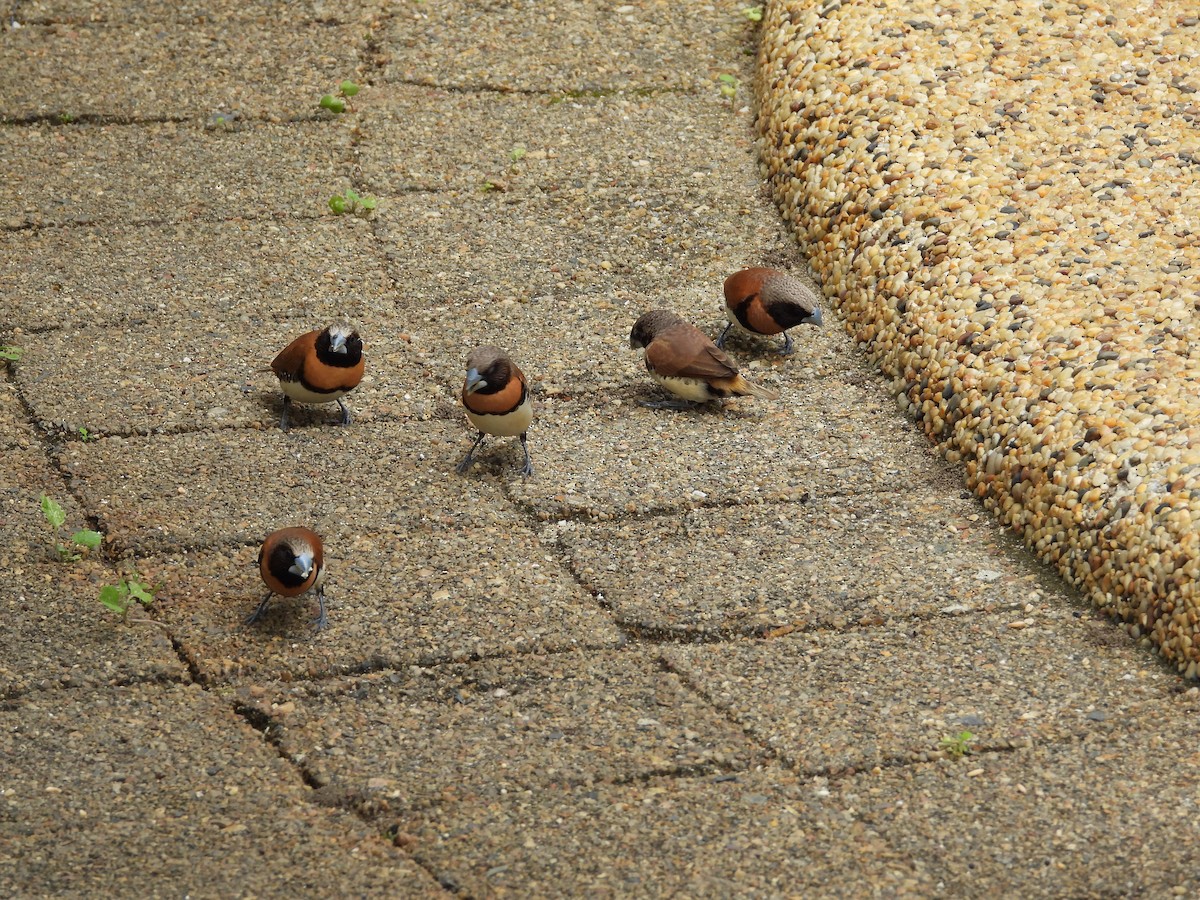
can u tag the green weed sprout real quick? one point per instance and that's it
(121, 596)
(353, 203)
(337, 104)
(956, 745)
(85, 538)
(517, 153)
(753, 13)
(10, 354)
(729, 86)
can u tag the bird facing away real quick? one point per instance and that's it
(320, 367)
(766, 302)
(292, 562)
(497, 401)
(682, 358)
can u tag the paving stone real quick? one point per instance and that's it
(431, 138)
(621, 459)
(189, 491)
(759, 834)
(166, 172)
(25, 537)
(420, 592)
(192, 70)
(650, 44)
(182, 786)
(397, 742)
(57, 634)
(1113, 814)
(830, 702)
(253, 274)
(45, 12)
(753, 570)
(573, 243)
(206, 372)
(16, 432)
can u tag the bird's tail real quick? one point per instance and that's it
(743, 388)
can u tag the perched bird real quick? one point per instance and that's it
(767, 302)
(681, 358)
(497, 401)
(292, 562)
(320, 367)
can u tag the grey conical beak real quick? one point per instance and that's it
(815, 318)
(303, 565)
(474, 381)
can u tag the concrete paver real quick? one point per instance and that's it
(418, 137)
(184, 71)
(761, 834)
(831, 702)
(47, 12)
(181, 787)
(621, 459)
(500, 727)
(168, 172)
(241, 272)
(414, 593)
(752, 570)
(645, 45)
(146, 490)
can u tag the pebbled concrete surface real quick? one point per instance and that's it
(706, 654)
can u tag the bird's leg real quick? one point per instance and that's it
(788, 347)
(462, 467)
(526, 469)
(721, 340)
(322, 620)
(283, 419)
(257, 614)
(345, 412)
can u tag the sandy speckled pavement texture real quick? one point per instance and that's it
(770, 648)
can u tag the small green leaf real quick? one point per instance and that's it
(348, 88)
(333, 104)
(753, 13)
(727, 79)
(87, 538)
(517, 153)
(113, 597)
(140, 592)
(12, 354)
(368, 202)
(337, 204)
(53, 512)
(351, 196)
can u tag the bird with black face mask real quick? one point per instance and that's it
(766, 302)
(291, 563)
(496, 398)
(320, 367)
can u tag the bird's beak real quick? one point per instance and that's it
(815, 318)
(303, 566)
(475, 381)
(337, 343)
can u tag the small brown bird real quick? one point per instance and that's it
(292, 562)
(682, 358)
(497, 401)
(767, 302)
(320, 367)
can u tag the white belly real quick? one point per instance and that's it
(506, 425)
(301, 394)
(687, 388)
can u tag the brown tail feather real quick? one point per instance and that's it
(743, 388)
